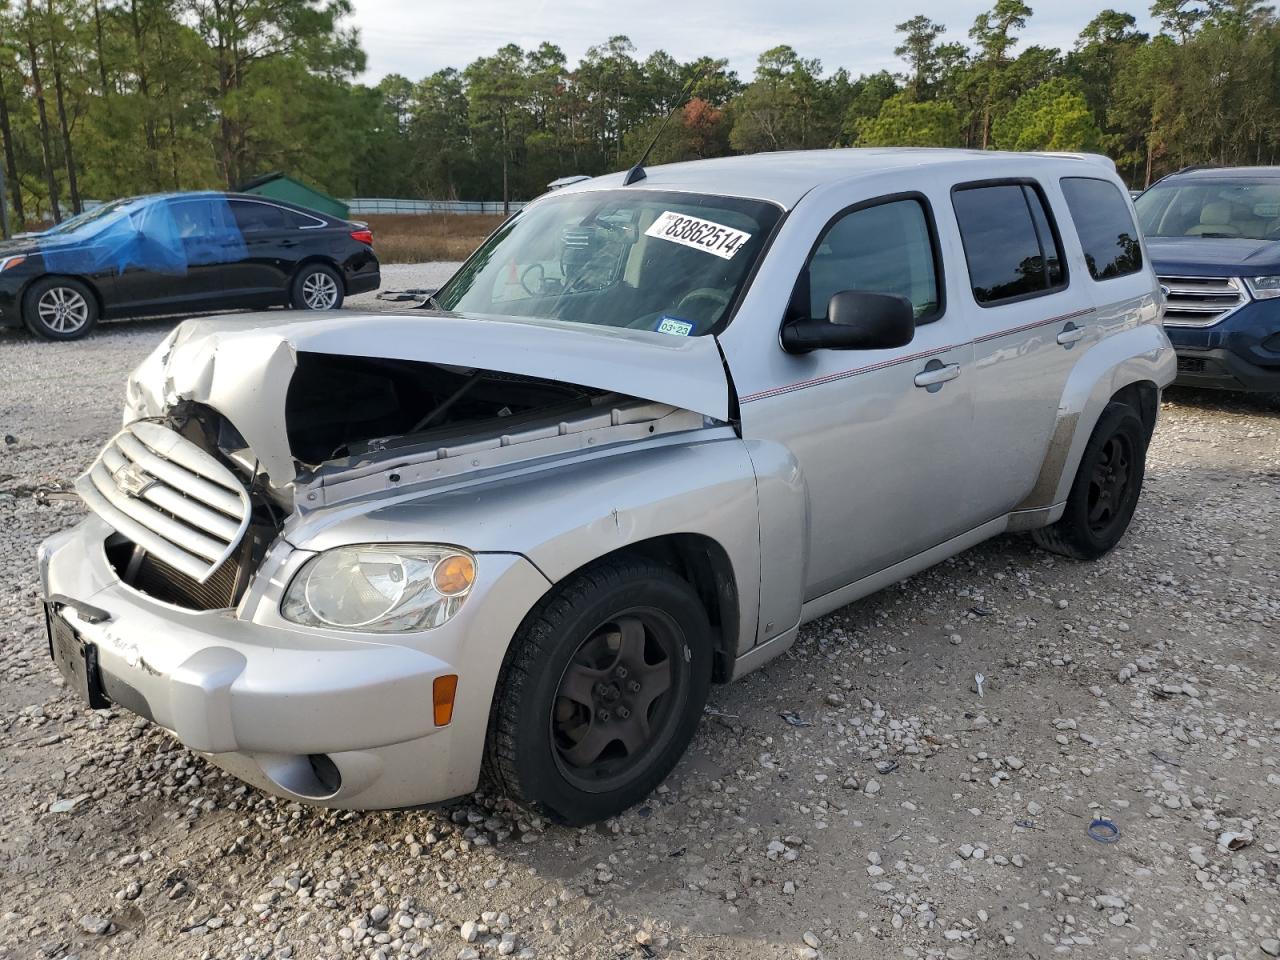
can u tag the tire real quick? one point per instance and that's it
(316, 286)
(59, 308)
(1106, 488)
(579, 761)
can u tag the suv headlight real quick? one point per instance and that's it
(1263, 288)
(380, 588)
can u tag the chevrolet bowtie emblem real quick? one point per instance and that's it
(131, 479)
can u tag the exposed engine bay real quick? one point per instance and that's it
(346, 407)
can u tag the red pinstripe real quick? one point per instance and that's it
(845, 374)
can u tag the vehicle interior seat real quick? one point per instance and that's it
(1215, 218)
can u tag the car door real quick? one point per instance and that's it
(271, 246)
(882, 437)
(1030, 321)
(172, 256)
(149, 257)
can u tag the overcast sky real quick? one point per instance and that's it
(414, 38)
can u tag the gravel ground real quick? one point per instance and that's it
(856, 798)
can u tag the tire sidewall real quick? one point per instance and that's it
(1117, 417)
(536, 767)
(30, 314)
(298, 301)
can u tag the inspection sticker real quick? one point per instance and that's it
(674, 326)
(703, 235)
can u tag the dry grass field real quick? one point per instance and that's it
(414, 238)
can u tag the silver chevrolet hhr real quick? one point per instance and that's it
(654, 425)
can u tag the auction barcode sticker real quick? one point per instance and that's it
(702, 235)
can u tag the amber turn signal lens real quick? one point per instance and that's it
(454, 575)
(442, 691)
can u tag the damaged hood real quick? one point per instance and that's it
(241, 365)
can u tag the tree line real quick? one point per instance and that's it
(104, 98)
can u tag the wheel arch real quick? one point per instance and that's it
(705, 565)
(92, 287)
(1133, 367)
(328, 261)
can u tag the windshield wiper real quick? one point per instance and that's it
(435, 415)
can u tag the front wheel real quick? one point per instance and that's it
(602, 691)
(316, 287)
(1106, 489)
(59, 308)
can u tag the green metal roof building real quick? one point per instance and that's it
(281, 186)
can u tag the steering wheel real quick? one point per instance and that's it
(718, 298)
(542, 278)
(582, 279)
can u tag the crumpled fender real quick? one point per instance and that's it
(241, 372)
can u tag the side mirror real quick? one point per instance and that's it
(856, 320)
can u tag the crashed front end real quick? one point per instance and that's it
(242, 447)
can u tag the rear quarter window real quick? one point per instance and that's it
(1106, 230)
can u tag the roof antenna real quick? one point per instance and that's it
(636, 173)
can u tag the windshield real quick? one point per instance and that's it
(642, 259)
(90, 218)
(1212, 208)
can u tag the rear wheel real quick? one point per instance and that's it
(316, 287)
(59, 308)
(1106, 489)
(602, 691)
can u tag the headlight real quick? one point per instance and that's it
(381, 588)
(1263, 288)
(7, 262)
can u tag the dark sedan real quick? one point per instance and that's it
(181, 253)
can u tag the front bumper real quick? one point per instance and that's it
(1220, 369)
(11, 287)
(1240, 353)
(263, 697)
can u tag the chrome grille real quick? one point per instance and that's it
(168, 496)
(1200, 301)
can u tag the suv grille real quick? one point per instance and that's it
(1200, 301)
(169, 497)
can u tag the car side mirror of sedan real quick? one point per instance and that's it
(856, 320)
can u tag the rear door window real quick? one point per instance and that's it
(1010, 242)
(258, 217)
(1106, 230)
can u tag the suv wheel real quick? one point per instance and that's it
(316, 287)
(1106, 489)
(601, 692)
(59, 308)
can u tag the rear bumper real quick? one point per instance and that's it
(263, 697)
(364, 282)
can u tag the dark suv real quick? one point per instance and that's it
(181, 253)
(1214, 240)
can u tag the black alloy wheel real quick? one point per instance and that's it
(1109, 482)
(615, 702)
(601, 690)
(1106, 488)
